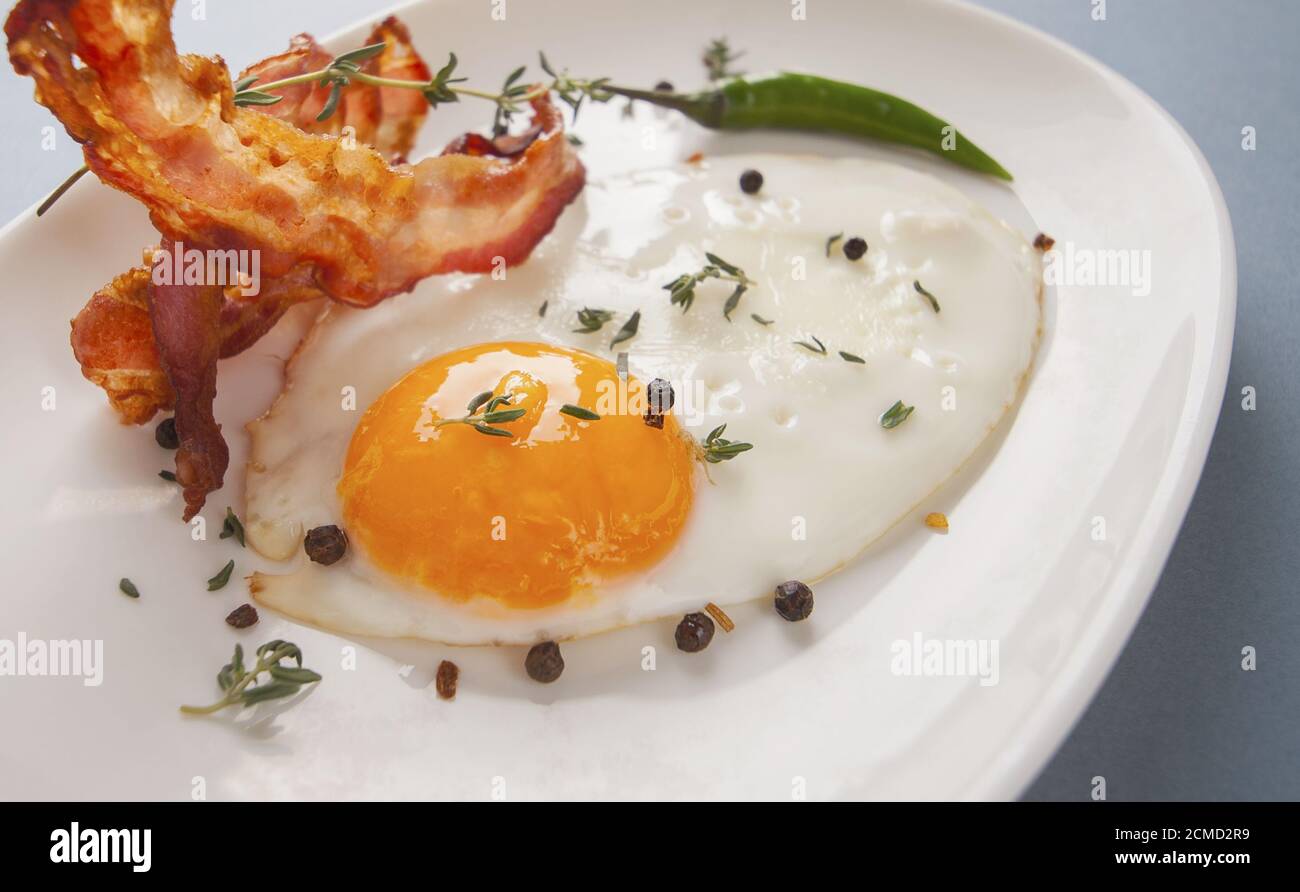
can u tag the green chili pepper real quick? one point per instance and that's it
(789, 101)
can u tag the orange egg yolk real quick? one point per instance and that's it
(529, 519)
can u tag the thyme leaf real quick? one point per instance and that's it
(223, 576)
(628, 331)
(351, 57)
(592, 320)
(732, 301)
(819, 349)
(231, 526)
(256, 97)
(332, 103)
(723, 265)
(475, 404)
(934, 302)
(508, 103)
(579, 412)
(896, 415)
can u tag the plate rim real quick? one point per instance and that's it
(1076, 684)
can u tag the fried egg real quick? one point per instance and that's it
(558, 524)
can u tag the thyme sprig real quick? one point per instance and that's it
(62, 187)
(483, 412)
(682, 289)
(240, 685)
(718, 58)
(345, 70)
(341, 71)
(715, 449)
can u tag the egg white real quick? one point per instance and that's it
(824, 479)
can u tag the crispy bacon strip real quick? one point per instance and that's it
(186, 322)
(113, 336)
(164, 129)
(386, 118)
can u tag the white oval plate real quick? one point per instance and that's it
(1114, 429)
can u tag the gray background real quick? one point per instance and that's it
(1177, 718)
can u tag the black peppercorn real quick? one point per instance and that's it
(664, 87)
(165, 434)
(659, 399)
(794, 600)
(751, 181)
(242, 616)
(660, 396)
(544, 662)
(854, 248)
(325, 545)
(694, 632)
